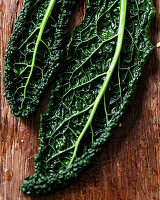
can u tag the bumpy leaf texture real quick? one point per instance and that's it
(23, 86)
(90, 53)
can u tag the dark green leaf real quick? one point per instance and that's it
(25, 79)
(90, 53)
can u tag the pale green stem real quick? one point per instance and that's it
(123, 8)
(41, 30)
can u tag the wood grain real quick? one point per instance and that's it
(129, 166)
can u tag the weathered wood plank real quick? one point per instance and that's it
(129, 166)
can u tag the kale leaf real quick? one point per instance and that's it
(35, 51)
(64, 151)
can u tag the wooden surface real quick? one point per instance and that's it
(129, 166)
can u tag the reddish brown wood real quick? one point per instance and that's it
(129, 166)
